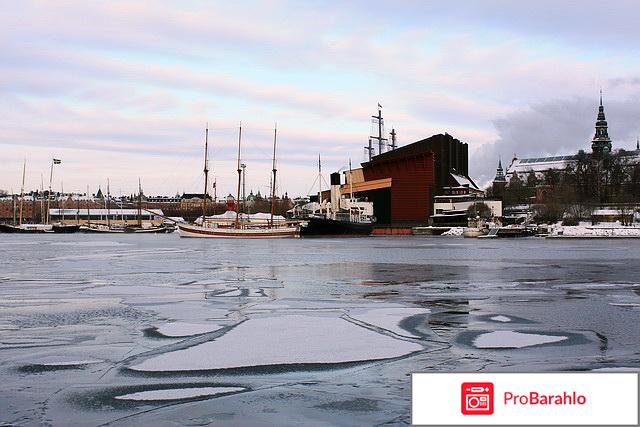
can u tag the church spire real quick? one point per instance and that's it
(601, 142)
(500, 173)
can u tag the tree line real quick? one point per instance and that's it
(589, 181)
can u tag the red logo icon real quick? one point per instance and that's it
(477, 398)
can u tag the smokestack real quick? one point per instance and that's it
(335, 192)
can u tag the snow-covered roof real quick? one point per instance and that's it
(463, 180)
(231, 215)
(115, 211)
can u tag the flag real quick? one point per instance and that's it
(379, 106)
(57, 161)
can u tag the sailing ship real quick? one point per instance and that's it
(242, 226)
(20, 226)
(140, 227)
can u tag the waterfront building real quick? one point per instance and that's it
(106, 216)
(402, 183)
(600, 145)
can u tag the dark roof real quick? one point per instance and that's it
(194, 195)
(417, 147)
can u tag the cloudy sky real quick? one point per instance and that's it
(123, 89)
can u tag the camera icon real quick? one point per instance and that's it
(477, 398)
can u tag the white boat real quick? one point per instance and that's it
(235, 224)
(193, 230)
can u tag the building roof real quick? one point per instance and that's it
(115, 211)
(415, 148)
(463, 180)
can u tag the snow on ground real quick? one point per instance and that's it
(454, 231)
(183, 329)
(179, 393)
(600, 230)
(501, 318)
(282, 340)
(512, 339)
(387, 318)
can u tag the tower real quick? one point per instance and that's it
(499, 182)
(601, 143)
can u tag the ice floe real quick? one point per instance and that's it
(179, 393)
(512, 339)
(387, 318)
(501, 318)
(283, 340)
(183, 329)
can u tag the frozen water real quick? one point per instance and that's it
(283, 340)
(179, 393)
(92, 298)
(387, 318)
(183, 329)
(501, 318)
(512, 339)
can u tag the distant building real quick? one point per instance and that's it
(499, 182)
(600, 144)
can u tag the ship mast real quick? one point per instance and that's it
(53, 162)
(320, 184)
(62, 210)
(274, 170)
(108, 205)
(206, 173)
(239, 178)
(24, 166)
(42, 218)
(88, 211)
(139, 203)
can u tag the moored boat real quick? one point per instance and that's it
(267, 226)
(65, 228)
(25, 228)
(193, 230)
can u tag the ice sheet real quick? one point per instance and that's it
(501, 318)
(512, 339)
(282, 340)
(183, 329)
(179, 393)
(388, 318)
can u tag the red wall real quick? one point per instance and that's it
(412, 184)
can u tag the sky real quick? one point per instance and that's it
(122, 90)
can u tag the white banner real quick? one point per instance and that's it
(594, 398)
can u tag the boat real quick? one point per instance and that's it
(342, 216)
(147, 227)
(65, 228)
(100, 228)
(22, 227)
(25, 228)
(241, 227)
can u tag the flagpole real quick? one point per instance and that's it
(49, 195)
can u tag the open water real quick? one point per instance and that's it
(158, 330)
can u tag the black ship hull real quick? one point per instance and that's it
(7, 228)
(332, 227)
(71, 228)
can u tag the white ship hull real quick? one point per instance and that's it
(190, 230)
